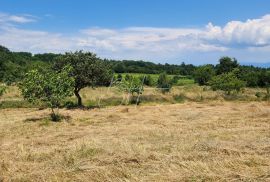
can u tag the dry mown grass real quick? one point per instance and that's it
(216, 141)
(104, 96)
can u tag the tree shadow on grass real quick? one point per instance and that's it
(63, 118)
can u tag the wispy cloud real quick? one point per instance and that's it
(15, 19)
(146, 42)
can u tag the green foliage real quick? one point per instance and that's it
(92, 71)
(226, 65)
(2, 89)
(203, 74)
(130, 66)
(259, 94)
(129, 77)
(119, 77)
(47, 87)
(164, 83)
(175, 79)
(147, 80)
(227, 82)
(131, 85)
(264, 79)
(13, 65)
(88, 70)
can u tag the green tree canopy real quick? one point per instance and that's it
(227, 82)
(164, 83)
(226, 65)
(88, 70)
(203, 74)
(48, 87)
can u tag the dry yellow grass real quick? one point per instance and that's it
(112, 96)
(215, 141)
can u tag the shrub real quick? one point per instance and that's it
(227, 82)
(119, 77)
(131, 86)
(164, 83)
(259, 94)
(148, 80)
(179, 98)
(2, 90)
(204, 74)
(175, 79)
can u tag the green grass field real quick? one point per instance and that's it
(183, 80)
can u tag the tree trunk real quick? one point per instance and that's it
(76, 92)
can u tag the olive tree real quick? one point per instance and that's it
(88, 70)
(48, 87)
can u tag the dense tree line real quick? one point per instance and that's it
(250, 75)
(13, 66)
(129, 66)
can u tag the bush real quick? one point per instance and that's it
(259, 94)
(148, 80)
(119, 77)
(164, 83)
(227, 82)
(175, 79)
(2, 90)
(179, 98)
(131, 86)
(204, 74)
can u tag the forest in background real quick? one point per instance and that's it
(13, 66)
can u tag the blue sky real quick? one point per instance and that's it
(172, 31)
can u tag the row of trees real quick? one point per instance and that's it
(64, 78)
(13, 66)
(228, 75)
(129, 66)
(50, 78)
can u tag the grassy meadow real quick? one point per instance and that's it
(214, 141)
(189, 134)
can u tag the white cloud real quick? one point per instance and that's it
(251, 33)
(7, 19)
(34, 41)
(156, 44)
